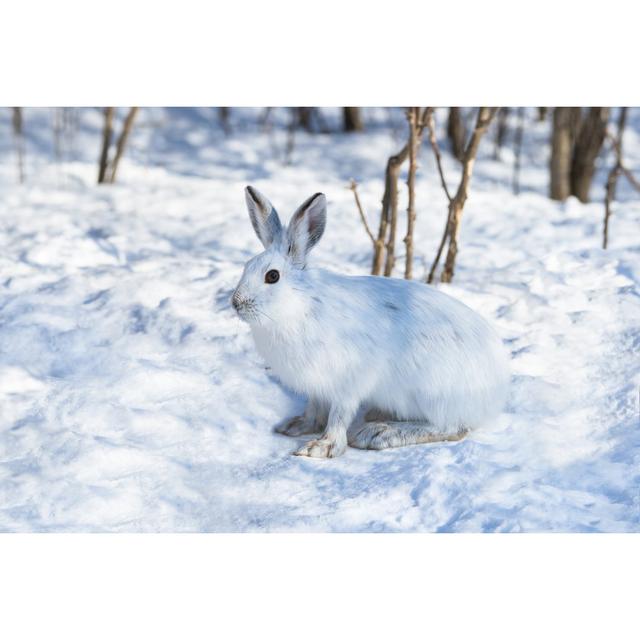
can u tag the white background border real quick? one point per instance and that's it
(285, 52)
(317, 586)
(312, 586)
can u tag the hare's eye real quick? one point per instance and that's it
(272, 276)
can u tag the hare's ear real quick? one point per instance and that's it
(306, 227)
(264, 217)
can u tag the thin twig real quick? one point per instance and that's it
(612, 180)
(430, 123)
(630, 177)
(443, 241)
(617, 147)
(614, 174)
(354, 187)
(436, 150)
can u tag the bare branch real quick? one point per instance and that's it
(436, 150)
(443, 241)
(610, 188)
(456, 204)
(19, 140)
(485, 115)
(631, 178)
(122, 141)
(107, 132)
(384, 253)
(518, 151)
(615, 172)
(393, 171)
(612, 178)
(430, 123)
(617, 147)
(353, 185)
(388, 214)
(415, 135)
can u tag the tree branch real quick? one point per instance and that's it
(415, 138)
(122, 142)
(107, 132)
(631, 178)
(485, 115)
(612, 178)
(430, 123)
(353, 185)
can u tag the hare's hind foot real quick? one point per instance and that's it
(388, 434)
(313, 420)
(298, 426)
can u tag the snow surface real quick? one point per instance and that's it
(132, 399)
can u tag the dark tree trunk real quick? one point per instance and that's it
(304, 117)
(19, 140)
(352, 118)
(542, 113)
(108, 169)
(122, 142)
(456, 132)
(501, 131)
(562, 138)
(587, 148)
(223, 118)
(517, 143)
(107, 133)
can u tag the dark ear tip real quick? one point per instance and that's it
(250, 191)
(317, 196)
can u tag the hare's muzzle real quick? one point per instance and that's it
(236, 301)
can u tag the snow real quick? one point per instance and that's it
(132, 398)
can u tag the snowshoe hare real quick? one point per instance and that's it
(383, 362)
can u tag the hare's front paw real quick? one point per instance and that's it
(298, 426)
(322, 448)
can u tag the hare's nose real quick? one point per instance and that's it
(236, 300)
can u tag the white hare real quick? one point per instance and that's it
(383, 362)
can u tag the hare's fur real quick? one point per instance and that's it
(426, 362)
